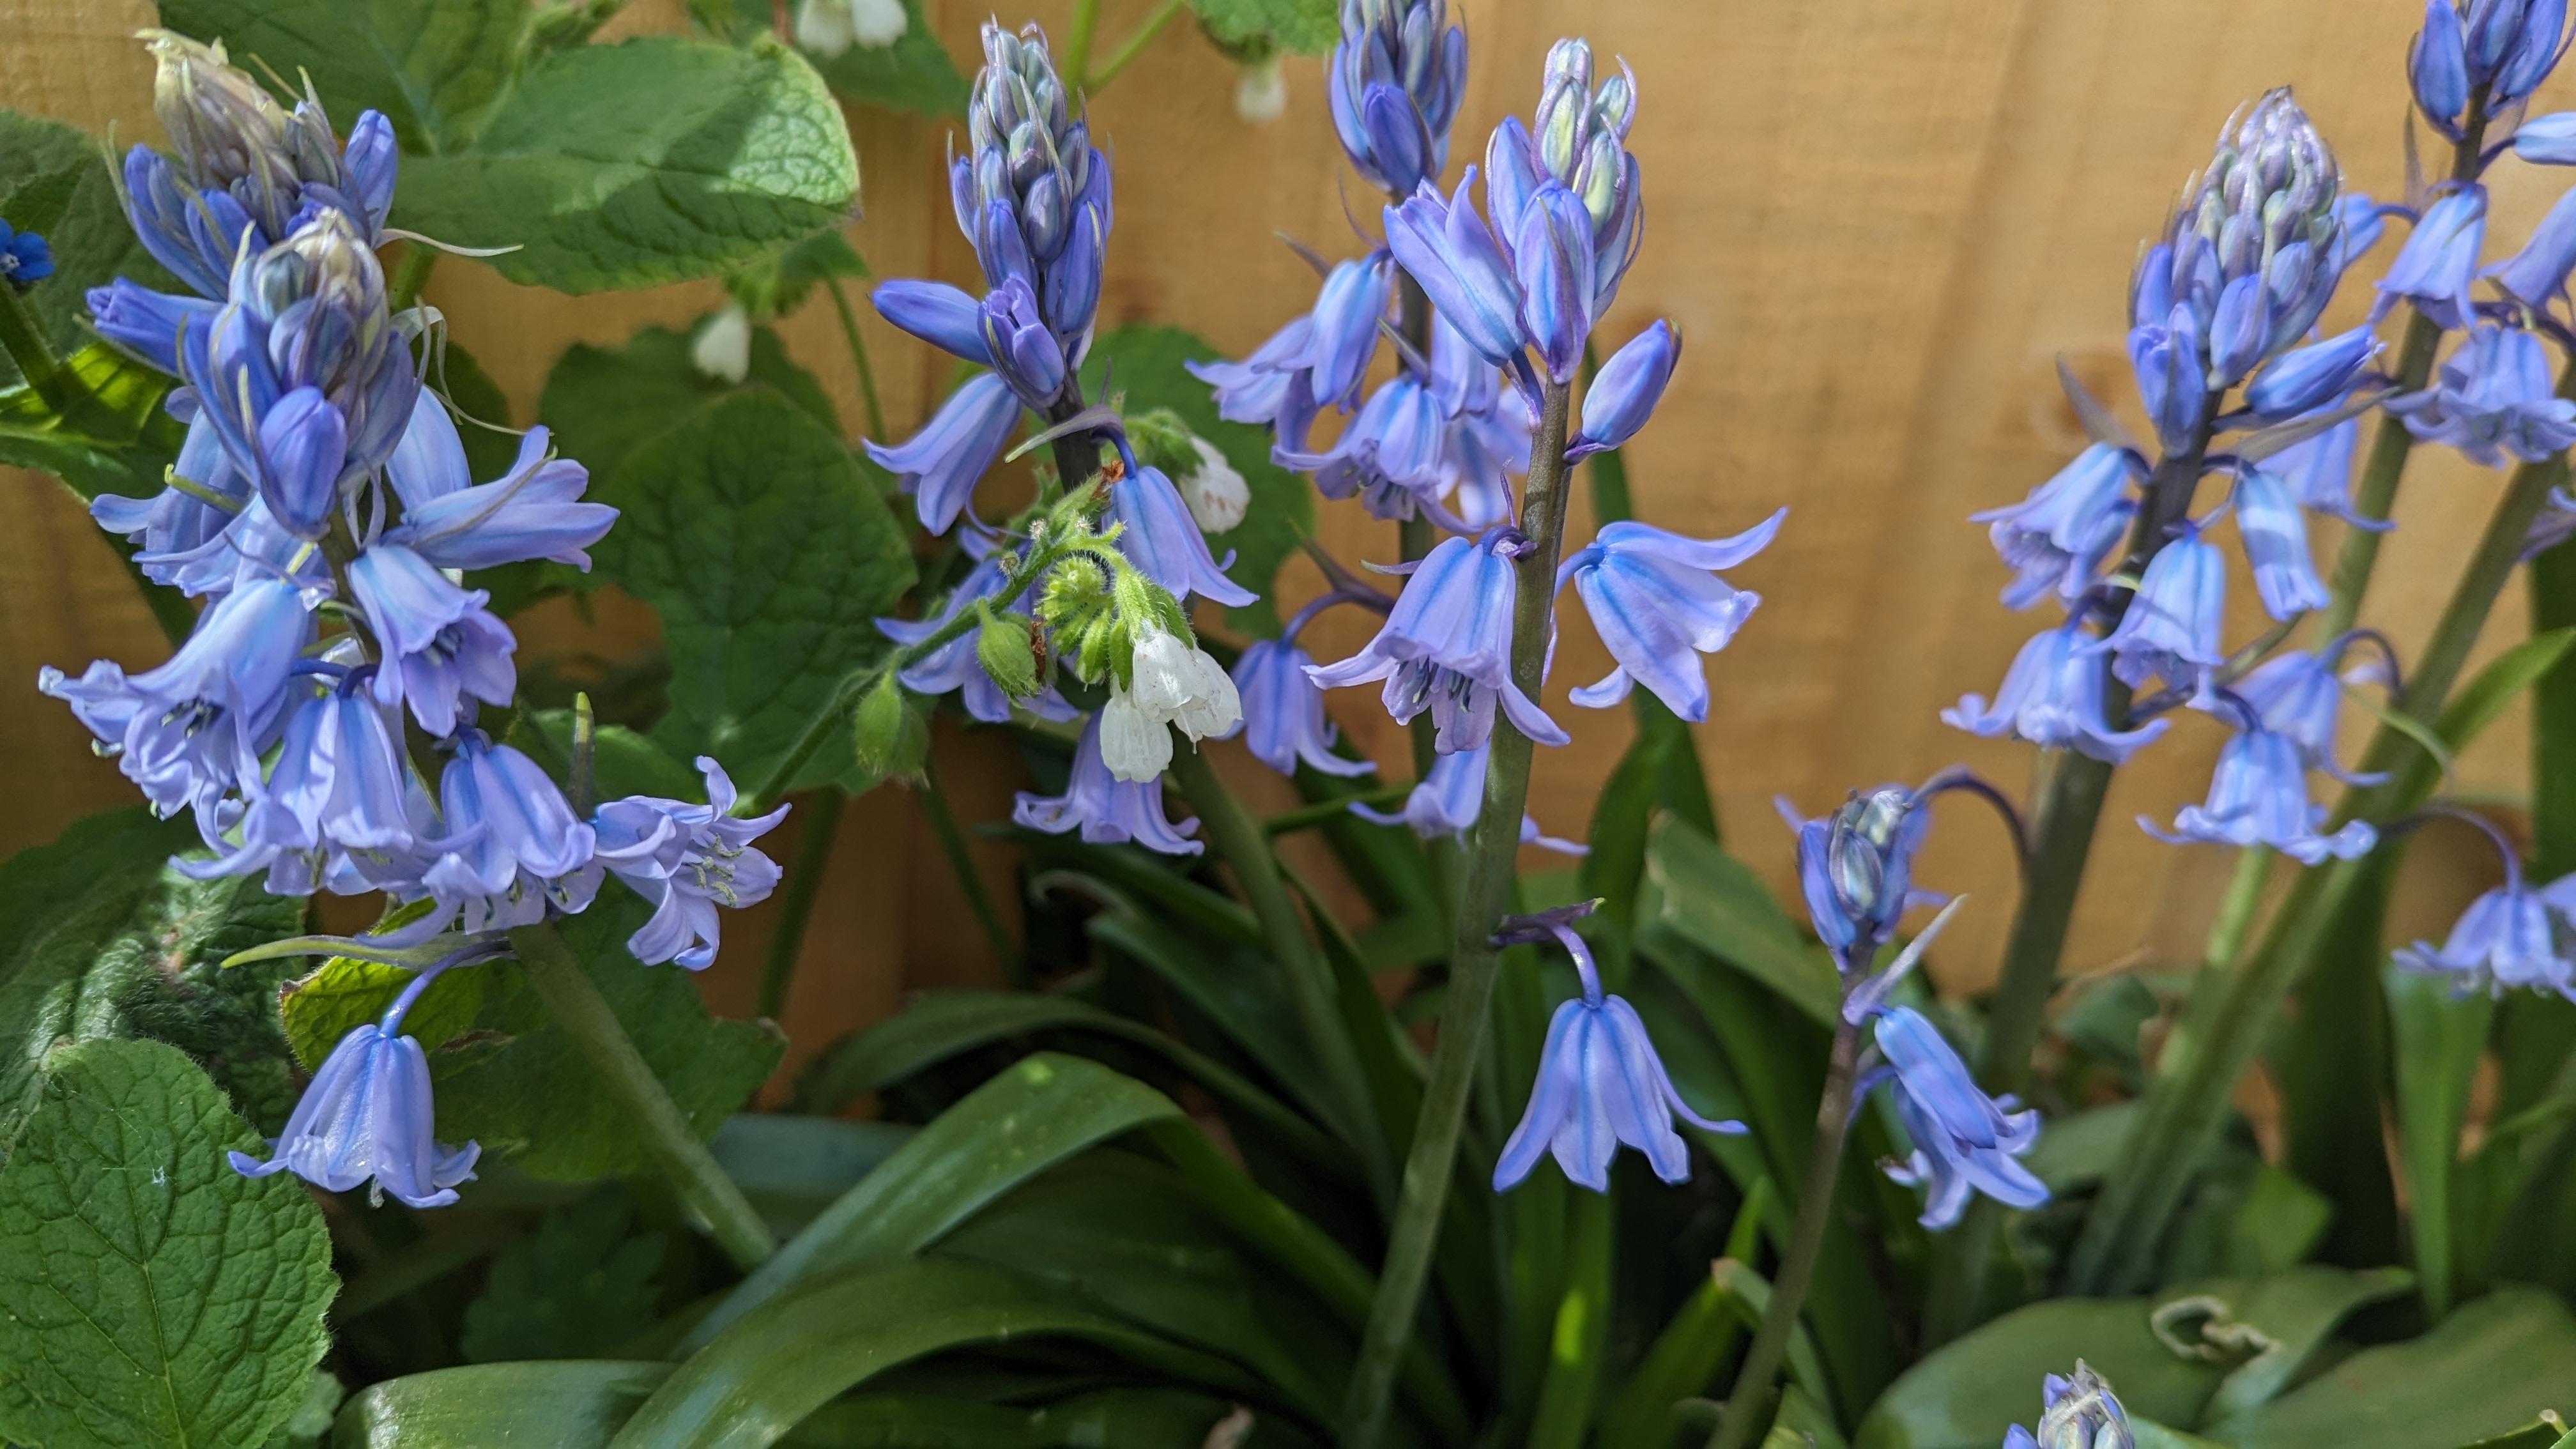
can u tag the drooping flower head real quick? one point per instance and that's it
(1599, 1084)
(340, 810)
(2297, 696)
(2245, 269)
(1964, 1141)
(2496, 399)
(688, 860)
(514, 848)
(1104, 808)
(1447, 647)
(2055, 540)
(1447, 802)
(1394, 83)
(2433, 270)
(1856, 868)
(1283, 712)
(2259, 796)
(1656, 600)
(2052, 696)
(2508, 938)
(2171, 630)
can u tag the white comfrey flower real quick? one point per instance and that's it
(876, 24)
(1261, 92)
(1134, 746)
(722, 348)
(1182, 684)
(1217, 495)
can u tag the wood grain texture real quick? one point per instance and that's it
(1877, 222)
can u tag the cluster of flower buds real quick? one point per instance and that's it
(323, 506)
(2079, 1412)
(1395, 80)
(2475, 60)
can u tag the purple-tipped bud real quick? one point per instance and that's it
(2275, 533)
(1348, 309)
(1625, 392)
(2307, 378)
(2166, 361)
(938, 314)
(2511, 46)
(372, 160)
(1552, 261)
(302, 443)
(1024, 352)
(2437, 65)
(1443, 245)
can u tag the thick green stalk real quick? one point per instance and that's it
(2070, 807)
(25, 344)
(2226, 1022)
(859, 356)
(1473, 957)
(1745, 1407)
(804, 885)
(1413, 535)
(952, 844)
(1239, 839)
(1078, 38)
(581, 1013)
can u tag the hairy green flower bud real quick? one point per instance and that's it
(890, 737)
(1011, 650)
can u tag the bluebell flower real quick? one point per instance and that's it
(1283, 711)
(2433, 270)
(1964, 1141)
(2081, 1412)
(144, 322)
(2437, 65)
(1447, 647)
(943, 462)
(440, 643)
(2547, 140)
(1158, 536)
(1024, 352)
(338, 809)
(1446, 803)
(2318, 472)
(2296, 696)
(2304, 379)
(1623, 395)
(2259, 796)
(2495, 399)
(1348, 309)
(953, 666)
(2510, 46)
(302, 444)
(1658, 605)
(2246, 268)
(938, 314)
(367, 1115)
(2052, 697)
(2275, 534)
(2172, 627)
(187, 730)
(1446, 247)
(514, 848)
(1390, 455)
(2055, 540)
(1107, 810)
(686, 859)
(1856, 869)
(1393, 84)
(1272, 388)
(1552, 261)
(24, 258)
(534, 511)
(2537, 275)
(1599, 1085)
(2506, 939)
(174, 523)
(194, 235)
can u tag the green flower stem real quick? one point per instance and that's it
(859, 355)
(952, 844)
(411, 274)
(1323, 812)
(1132, 47)
(1752, 1394)
(577, 1008)
(2228, 1019)
(836, 710)
(1079, 34)
(25, 344)
(2070, 806)
(804, 885)
(1239, 839)
(1413, 535)
(1466, 1016)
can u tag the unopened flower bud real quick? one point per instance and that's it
(225, 127)
(1261, 92)
(2082, 1413)
(722, 348)
(876, 24)
(889, 738)
(1858, 851)
(1011, 650)
(823, 27)
(1217, 496)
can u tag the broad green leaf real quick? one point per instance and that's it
(514, 1085)
(654, 160)
(603, 404)
(110, 435)
(1237, 991)
(577, 1287)
(566, 1404)
(776, 285)
(2079, 1148)
(1126, 1418)
(1803, 1423)
(1579, 1335)
(2483, 699)
(2334, 1073)
(1032, 1116)
(1718, 904)
(1143, 364)
(152, 1296)
(792, 1168)
(1300, 27)
(1964, 1394)
(100, 938)
(434, 67)
(941, 1024)
(1686, 1355)
(55, 181)
(2298, 1312)
(309, 1424)
(2439, 1035)
(347, 993)
(913, 74)
(2487, 1370)
(753, 535)
(831, 1333)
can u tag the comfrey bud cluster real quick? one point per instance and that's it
(2246, 269)
(1394, 84)
(324, 507)
(2479, 57)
